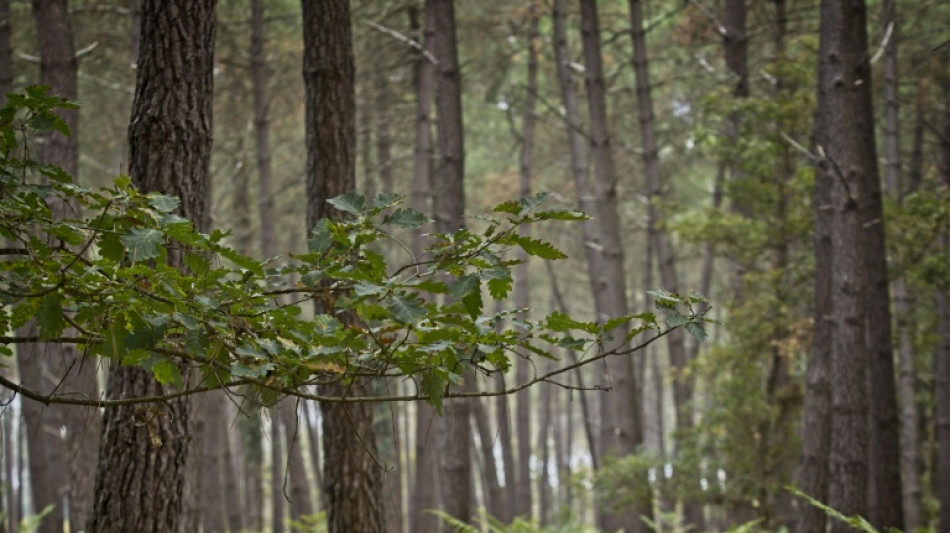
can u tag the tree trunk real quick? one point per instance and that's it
(61, 470)
(353, 482)
(496, 503)
(6, 52)
(660, 239)
(911, 497)
(523, 505)
(210, 512)
(845, 136)
(139, 483)
(942, 355)
(300, 498)
(276, 472)
(454, 466)
(424, 486)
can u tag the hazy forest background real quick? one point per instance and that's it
(786, 159)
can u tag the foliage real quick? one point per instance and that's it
(857, 522)
(518, 525)
(105, 277)
(315, 523)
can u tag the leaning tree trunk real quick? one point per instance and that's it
(353, 481)
(139, 483)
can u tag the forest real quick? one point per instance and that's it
(523, 266)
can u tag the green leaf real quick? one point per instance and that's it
(433, 386)
(499, 287)
(538, 248)
(558, 321)
(696, 330)
(312, 278)
(385, 199)
(511, 207)
(242, 260)
(473, 303)
(464, 286)
(257, 371)
(406, 310)
(113, 342)
(320, 238)
(163, 203)
(143, 244)
(405, 218)
(432, 286)
(350, 202)
(111, 248)
(168, 373)
(49, 316)
(560, 215)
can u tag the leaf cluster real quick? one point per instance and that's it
(125, 276)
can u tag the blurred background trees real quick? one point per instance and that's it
(694, 132)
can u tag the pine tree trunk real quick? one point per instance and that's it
(424, 491)
(139, 482)
(942, 355)
(353, 482)
(454, 466)
(523, 417)
(300, 498)
(845, 137)
(660, 239)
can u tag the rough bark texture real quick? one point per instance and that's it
(846, 143)
(449, 186)
(210, 510)
(352, 479)
(942, 355)
(495, 493)
(144, 449)
(522, 369)
(621, 430)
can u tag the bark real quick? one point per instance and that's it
(252, 465)
(496, 503)
(621, 429)
(234, 509)
(61, 469)
(276, 472)
(210, 513)
(314, 437)
(6, 52)
(942, 355)
(265, 198)
(544, 479)
(424, 486)
(911, 497)
(660, 239)
(144, 450)
(454, 466)
(352, 479)
(846, 143)
(884, 445)
(942, 384)
(523, 505)
(296, 474)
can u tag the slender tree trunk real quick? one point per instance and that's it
(911, 497)
(942, 355)
(210, 512)
(425, 481)
(62, 470)
(495, 492)
(139, 482)
(544, 451)
(523, 505)
(845, 136)
(313, 432)
(232, 498)
(300, 498)
(6, 52)
(276, 472)
(682, 386)
(353, 480)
